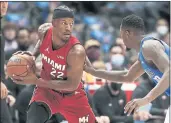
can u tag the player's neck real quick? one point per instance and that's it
(57, 42)
(137, 45)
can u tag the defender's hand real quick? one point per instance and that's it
(88, 66)
(135, 104)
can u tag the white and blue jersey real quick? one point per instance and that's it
(154, 73)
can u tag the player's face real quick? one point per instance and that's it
(64, 27)
(127, 37)
(4, 6)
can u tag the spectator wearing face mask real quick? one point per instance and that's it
(92, 48)
(109, 100)
(162, 29)
(117, 58)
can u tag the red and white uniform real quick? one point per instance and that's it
(74, 108)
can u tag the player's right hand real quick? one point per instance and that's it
(88, 66)
(24, 53)
(4, 91)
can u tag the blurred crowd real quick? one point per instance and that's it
(97, 27)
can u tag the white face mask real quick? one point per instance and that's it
(117, 60)
(162, 30)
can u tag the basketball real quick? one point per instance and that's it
(20, 66)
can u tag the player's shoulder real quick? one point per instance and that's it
(44, 27)
(151, 45)
(77, 49)
(76, 53)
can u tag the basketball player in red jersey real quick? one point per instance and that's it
(59, 90)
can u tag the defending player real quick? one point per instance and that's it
(153, 59)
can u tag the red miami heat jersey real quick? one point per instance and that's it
(55, 61)
(54, 67)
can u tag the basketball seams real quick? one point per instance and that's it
(25, 59)
(20, 75)
(15, 65)
(27, 70)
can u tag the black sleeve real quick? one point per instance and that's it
(89, 98)
(158, 107)
(157, 111)
(95, 104)
(138, 93)
(125, 119)
(100, 108)
(2, 59)
(122, 117)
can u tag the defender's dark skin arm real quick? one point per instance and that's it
(132, 74)
(75, 64)
(154, 51)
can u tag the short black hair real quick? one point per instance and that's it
(63, 7)
(133, 21)
(62, 12)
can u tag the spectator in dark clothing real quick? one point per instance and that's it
(9, 32)
(159, 106)
(5, 116)
(22, 102)
(110, 100)
(23, 39)
(23, 43)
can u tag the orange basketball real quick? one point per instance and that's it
(20, 66)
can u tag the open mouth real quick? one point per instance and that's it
(67, 35)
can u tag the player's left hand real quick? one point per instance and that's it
(31, 79)
(105, 119)
(135, 104)
(10, 100)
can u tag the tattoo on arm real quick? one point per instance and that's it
(41, 32)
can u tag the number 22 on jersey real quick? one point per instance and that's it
(56, 74)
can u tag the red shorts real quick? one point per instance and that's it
(74, 108)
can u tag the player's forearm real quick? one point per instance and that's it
(36, 49)
(159, 88)
(58, 85)
(115, 76)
